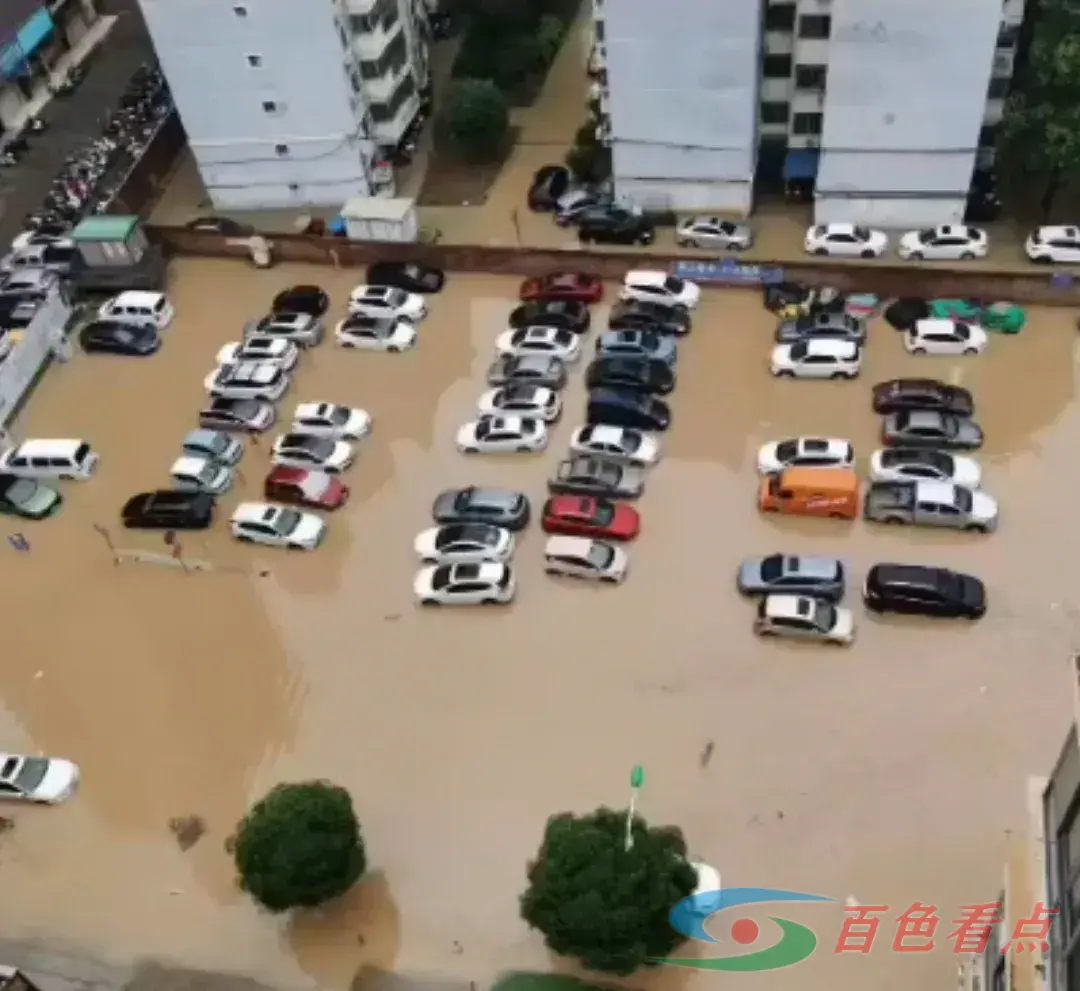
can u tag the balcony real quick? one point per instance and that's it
(372, 45)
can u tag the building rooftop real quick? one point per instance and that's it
(104, 228)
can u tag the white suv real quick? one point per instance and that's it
(387, 301)
(817, 358)
(659, 287)
(248, 380)
(302, 329)
(1054, 244)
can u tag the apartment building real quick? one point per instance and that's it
(679, 101)
(287, 104)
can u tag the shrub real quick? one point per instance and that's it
(549, 37)
(590, 163)
(474, 120)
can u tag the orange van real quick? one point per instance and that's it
(811, 492)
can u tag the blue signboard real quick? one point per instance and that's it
(33, 34)
(12, 61)
(730, 272)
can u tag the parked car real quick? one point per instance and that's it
(638, 374)
(580, 475)
(464, 543)
(929, 428)
(215, 445)
(567, 314)
(331, 420)
(248, 380)
(310, 300)
(627, 408)
(387, 302)
(220, 225)
(915, 464)
(898, 395)
(931, 504)
(27, 498)
(714, 232)
(575, 202)
(410, 276)
(922, 591)
(532, 401)
(261, 347)
(549, 182)
(192, 473)
(576, 286)
(48, 780)
(805, 452)
(502, 435)
(802, 617)
(301, 329)
(298, 450)
(169, 509)
(633, 314)
(550, 341)
(644, 344)
(303, 487)
(949, 337)
(277, 526)
(615, 225)
(127, 307)
(840, 326)
(817, 358)
(1058, 245)
(650, 286)
(474, 504)
(248, 415)
(588, 516)
(550, 373)
(845, 241)
(489, 583)
(947, 241)
(817, 577)
(114, 337)
(621, 444)
(376, 333)
(584, 557)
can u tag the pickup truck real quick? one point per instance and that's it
(931, 504)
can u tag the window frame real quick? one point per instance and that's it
(815, 27)
(780, 68)
(770, 115)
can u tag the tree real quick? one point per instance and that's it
(597, 901)
(475, 119)
(299, 846)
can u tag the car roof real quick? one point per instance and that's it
(932, 324)
(313, 409)
(888, 573)
(189, 464)
(836, 228)
(282, 473)
(136, 297)
(842, 480)
(202, 434)
(645, 276)
(831, 345)
(786, 606)
(487, 571)
(253, 512)
(254, 372)
(1057, 230)
(813, 565)
(935, 491)
(46, 446)
(923, 417)
(570, 546)
(605, 431)
(491, 496)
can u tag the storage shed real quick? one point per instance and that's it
(375, 218)
(110, 240)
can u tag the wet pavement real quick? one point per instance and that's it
(889, 771)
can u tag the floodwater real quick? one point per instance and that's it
(888, 772)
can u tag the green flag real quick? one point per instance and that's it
(637, 776)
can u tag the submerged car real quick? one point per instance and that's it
(583, 475)
(921, 591)
(899, 395)
(474, 504)
(48, 780)
(929, 428)
(549, 373)
(805, 618)
(820, 577)
(27, 498)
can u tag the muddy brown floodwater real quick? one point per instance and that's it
(888, 772)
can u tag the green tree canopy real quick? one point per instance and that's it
(474, 119)
(603, 904)
(299, 846)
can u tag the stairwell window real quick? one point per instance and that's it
(271, 107)
(282, 151)
(240, 10)
(815, 26)
(254, 61)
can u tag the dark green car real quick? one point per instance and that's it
(26, 498)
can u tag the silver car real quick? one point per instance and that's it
(571, 205)
(820, 577)
(837, 325)
(714, 232)
(214, 444)
(638, 344)
(929, 428)
(583, 475)
(528, 370)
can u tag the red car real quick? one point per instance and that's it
(300, 487)
(584, 516)
(563, 285)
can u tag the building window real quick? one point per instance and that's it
(999, 89)
(806, 123)
(282, 151)
(776, 67)
(240, 10)
(988, 136)
(270, 107)
(254, 61)
(1008, 36)
(815, 26)
(598, 30)
(780, 17)
(294, 187)
(810, 77)
(775, 112)
(383, 15)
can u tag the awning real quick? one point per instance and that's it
(801, 163)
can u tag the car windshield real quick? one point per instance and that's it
(861, 233)
(337, 415)
(674, 284)
(21, 492)
(799, 351)
(208, 473)
(441, 578)
(631, 441)
(396, 297)
(824, 615)
(412, 272)
(602, 513)
(786, 450)
(317, 446)
(962, 500)
(287, 520)
(963, 331)
(32, 773)
(773, 567)
(600, 556)
(927, 236)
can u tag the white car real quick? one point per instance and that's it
(805, 452)
(659, 287)
(301, 329)
(845, 241)
(248, 380)
(464, 543)
(948, 241)
(277, 526)
(917, 464)
(945, 337)
(488, 583)
(582, 557)
(622, 444)
(200, 474)
(531, 401)
(297, 450)
(1054, 244)
(817, 358)
(376, 333)
(387, 301)
(261, 347)
(551, 341)
(804, 618)
(331, 420)
(502, 435)
(49, 780)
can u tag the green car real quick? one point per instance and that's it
(1006, 318)
(26, 498)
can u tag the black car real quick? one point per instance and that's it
(220, 225)
(168, 509)
(626, 408)
(900, 395)
(566, 314)
(908, 588)
(410, 276)
(548, 184)
(638, 374)
(310, 300)
(615, 225)
(114, 337)
(633, 314)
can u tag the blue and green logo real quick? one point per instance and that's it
(796, 942)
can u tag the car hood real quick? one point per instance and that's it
(910, 241)
(43, 501)
(750, 574)
(632, 478)
(781, 354)
(466, 433)
(972, 591)
(967, 472)
(359, 423)
(649, 449)
(60, 781)
(445, 504)
(983, 506)
(968, 432)
(422, 582)
(845, 623)
(424, 545)
(310, 529)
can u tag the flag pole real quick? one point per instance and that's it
(637, 779)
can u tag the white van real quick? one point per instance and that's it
(50, 459)
(139, 308)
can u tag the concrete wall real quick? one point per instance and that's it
(37, 345)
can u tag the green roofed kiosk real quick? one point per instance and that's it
(114, 255)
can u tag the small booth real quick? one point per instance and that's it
(114, 255)
(379, 218)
